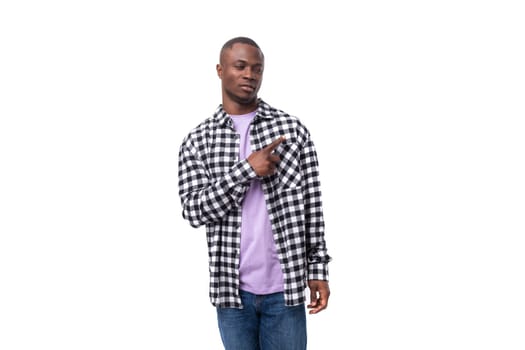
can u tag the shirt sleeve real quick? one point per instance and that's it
(205, 200)
(317, 254)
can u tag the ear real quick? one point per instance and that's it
(219, 70)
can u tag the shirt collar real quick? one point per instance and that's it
(263, 112)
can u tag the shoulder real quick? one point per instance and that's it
(198, 132)
(206, 126)
(284, 119)
(279, 115)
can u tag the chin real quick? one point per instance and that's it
(247, 100)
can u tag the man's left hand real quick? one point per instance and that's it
(319, 294)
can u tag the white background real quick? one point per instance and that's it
(416, 108)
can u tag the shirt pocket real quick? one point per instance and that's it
(289, 169)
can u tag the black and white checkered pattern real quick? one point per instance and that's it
(213, 182)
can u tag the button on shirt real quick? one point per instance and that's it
(213, 181)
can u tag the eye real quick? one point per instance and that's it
(240, 66)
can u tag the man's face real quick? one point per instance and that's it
(241, 72)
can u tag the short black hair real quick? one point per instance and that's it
(239, 40)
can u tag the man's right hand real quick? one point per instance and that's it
(264, 161)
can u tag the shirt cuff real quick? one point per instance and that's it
(239, 180)
(318, 271)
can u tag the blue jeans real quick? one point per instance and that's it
(264, 323)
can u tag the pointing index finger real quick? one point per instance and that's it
(274, 144)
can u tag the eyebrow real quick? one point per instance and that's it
(244, 61)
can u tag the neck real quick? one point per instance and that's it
(235, 108)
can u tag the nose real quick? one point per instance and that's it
(249, 73)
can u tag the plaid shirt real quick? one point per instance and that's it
(213, 182)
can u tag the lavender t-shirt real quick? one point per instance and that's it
(259, 269)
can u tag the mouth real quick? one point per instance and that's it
(248, 88)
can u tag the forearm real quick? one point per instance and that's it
(317, 260)
(317, 253)
(205, 201)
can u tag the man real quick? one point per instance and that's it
(250, 174)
